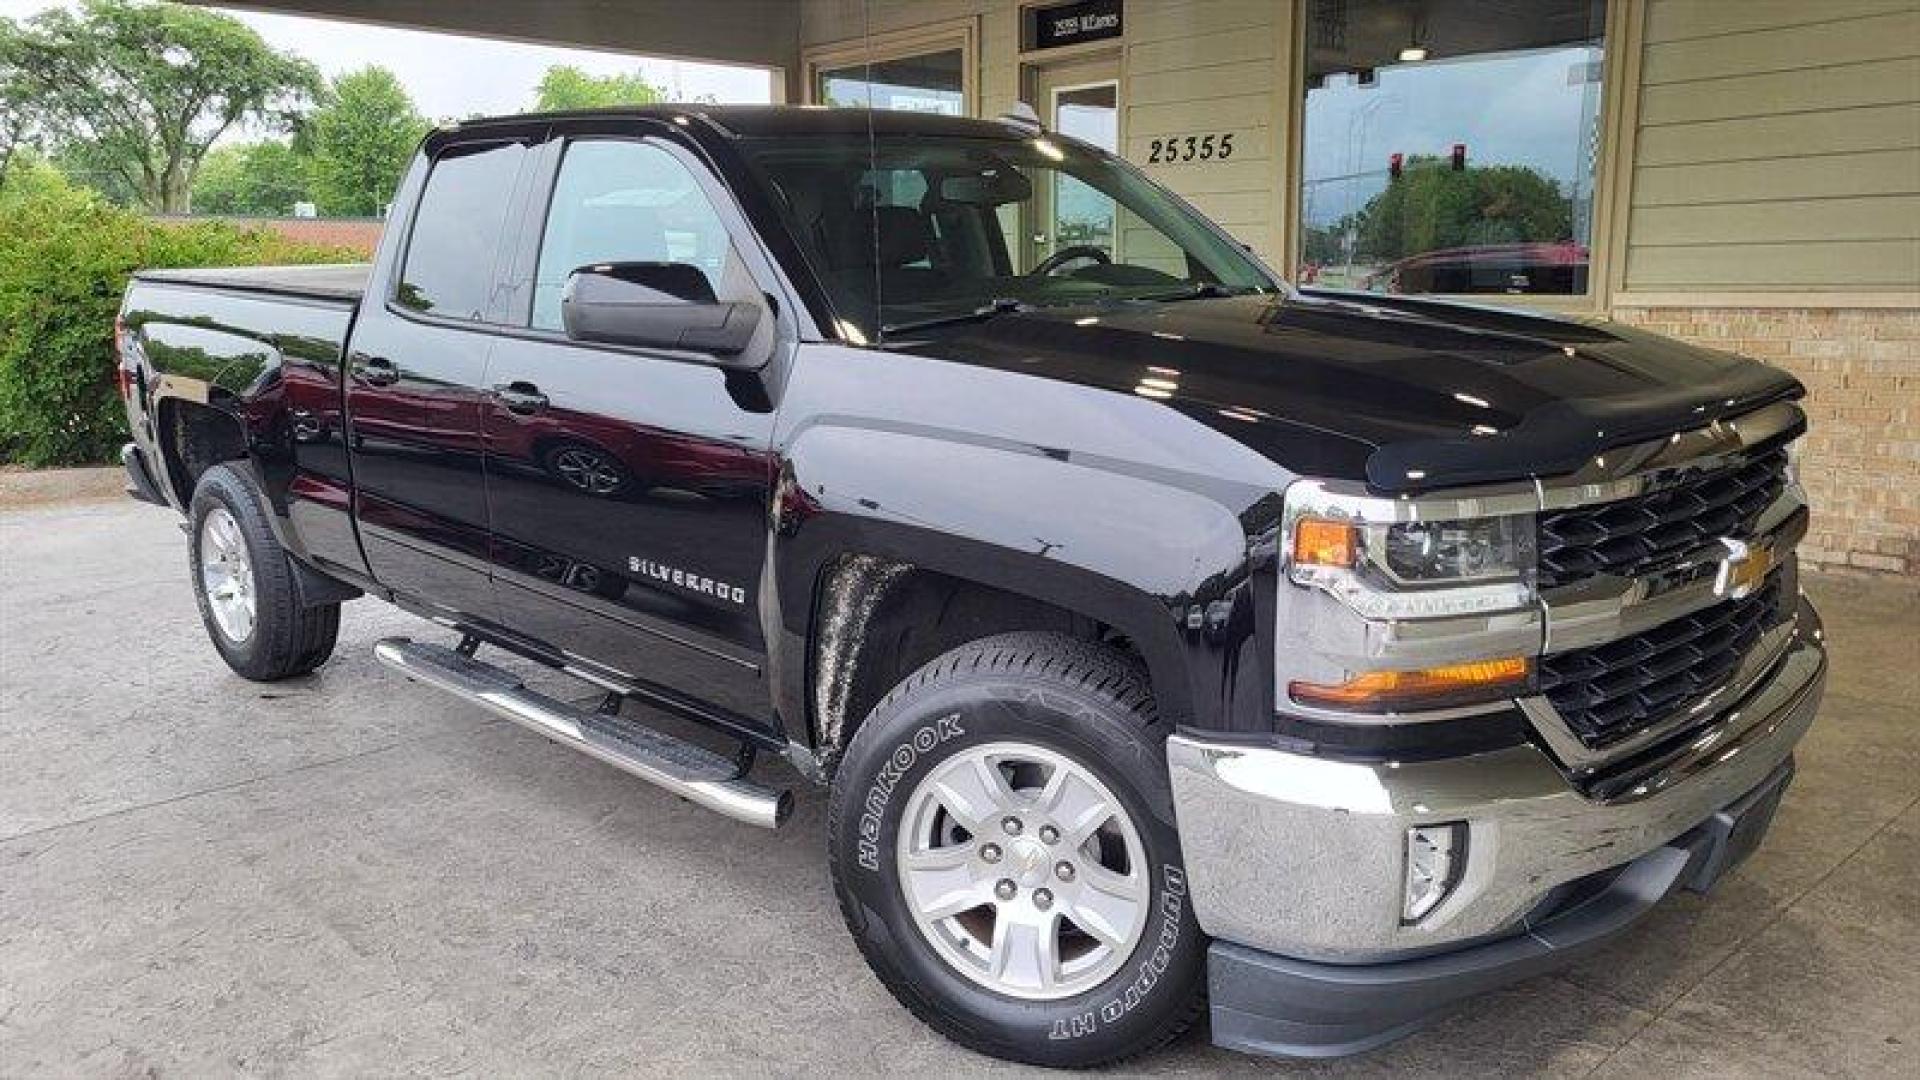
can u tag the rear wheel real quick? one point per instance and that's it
(248, 597)
(1003, 844)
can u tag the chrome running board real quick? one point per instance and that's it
(692, 772)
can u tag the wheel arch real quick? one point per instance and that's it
(876, 607)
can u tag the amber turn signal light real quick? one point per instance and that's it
(1427, 686)
(1324, 542)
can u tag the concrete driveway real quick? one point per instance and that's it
(351, 875)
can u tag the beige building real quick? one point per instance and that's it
(1741, 173)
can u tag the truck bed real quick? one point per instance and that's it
(334, 282)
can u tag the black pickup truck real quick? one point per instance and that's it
(1170, 639)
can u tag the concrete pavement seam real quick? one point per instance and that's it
(1740, 945)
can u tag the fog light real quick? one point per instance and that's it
(1436, 856)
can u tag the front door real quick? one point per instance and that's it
(1080, 98)
(628, 487)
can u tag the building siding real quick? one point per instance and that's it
(1778, 147)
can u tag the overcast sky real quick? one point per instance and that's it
(451, 76)
(1528, 107)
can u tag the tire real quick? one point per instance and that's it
(230, 533)
(1007, 703)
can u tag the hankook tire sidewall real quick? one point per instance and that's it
(894, 752)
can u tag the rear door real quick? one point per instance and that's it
(416, 379)
(628, 487)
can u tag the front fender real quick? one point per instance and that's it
(1172, 568)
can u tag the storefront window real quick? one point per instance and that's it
(931, 82)
(1451, 148)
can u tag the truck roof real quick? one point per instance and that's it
(761, 121)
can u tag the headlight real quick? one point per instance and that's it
(1417, 569)
(1442, 551)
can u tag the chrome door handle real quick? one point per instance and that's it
(520, 397)
(375, 370)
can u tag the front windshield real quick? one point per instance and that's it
(905, 231)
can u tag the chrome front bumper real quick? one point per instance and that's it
(1305, 856)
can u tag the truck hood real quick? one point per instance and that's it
(1405, 394)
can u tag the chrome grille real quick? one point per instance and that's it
(1634, 535)
(1609, 692)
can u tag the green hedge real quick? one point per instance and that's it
(65, 255)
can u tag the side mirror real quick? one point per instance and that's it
(656, 305)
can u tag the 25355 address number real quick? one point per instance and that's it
(1178, 149)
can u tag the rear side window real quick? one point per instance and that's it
(456, 231)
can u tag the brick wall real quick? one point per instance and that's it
(1860, 461)
(360, 234)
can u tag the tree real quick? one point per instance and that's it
(567, 87)
(149, 87)
(361, 140)
(16, 117)
(1432, 207)
(264, 178)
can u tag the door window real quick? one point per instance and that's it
(456, 232)
(621, 201)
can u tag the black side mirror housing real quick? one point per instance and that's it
(662, 305)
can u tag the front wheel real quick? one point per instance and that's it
(248, 598)
(1003, 844)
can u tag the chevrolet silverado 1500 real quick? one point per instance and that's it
(1170, 639)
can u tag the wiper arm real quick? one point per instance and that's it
(1205, 290)
(1004, 305)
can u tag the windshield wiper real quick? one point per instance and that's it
(1004, 305)
(1205, 290)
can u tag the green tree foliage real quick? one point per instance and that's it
(261, 178)
(567, 87)
(28, 174)
(149, 87)
(362, 139)
(1431, 207)
(65, 254)
(17, 117)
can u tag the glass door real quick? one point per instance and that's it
(1080, 99)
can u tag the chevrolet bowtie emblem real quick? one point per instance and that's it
(1743, 570)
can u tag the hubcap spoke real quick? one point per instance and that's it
(1108, 905)
(1075, 805)
(975, 794)
(1026, 953)
(942, 882)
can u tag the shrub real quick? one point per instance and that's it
(65, 255)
